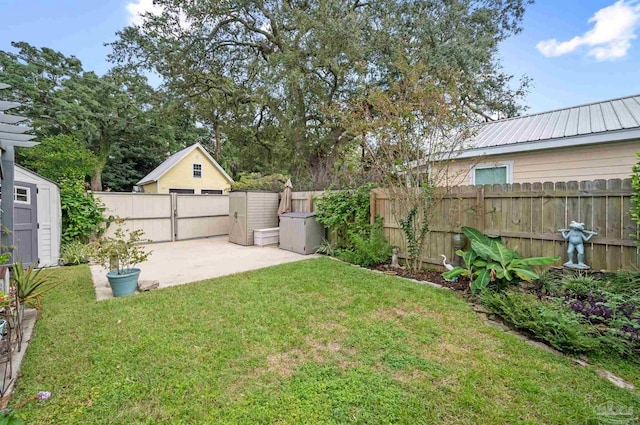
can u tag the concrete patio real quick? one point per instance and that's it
(177, 263)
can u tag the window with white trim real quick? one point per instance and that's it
(197, 171)
(492, 173)
(22, 194)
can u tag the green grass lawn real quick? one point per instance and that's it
(310, 342)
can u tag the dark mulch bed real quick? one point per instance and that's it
(426, 275)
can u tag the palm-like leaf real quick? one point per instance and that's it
(30, 283)
(475, 235)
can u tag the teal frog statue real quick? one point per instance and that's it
(577, 236)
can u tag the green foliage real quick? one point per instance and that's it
(75, 252)
(31, 283)
(625, 282)
(369, 248)
(248, 83)
(81, 212)
(491, 261)
(635, 198)
(255, 181)
(120, 252)
(345, 213)
(578, 305)
(10, 418)
(552, 323)
(60, 157)
(415, 230)
(127, 126)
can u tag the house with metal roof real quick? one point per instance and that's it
(191, 171)
(586, 142)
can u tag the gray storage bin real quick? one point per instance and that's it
(300, 232)
(250, 210)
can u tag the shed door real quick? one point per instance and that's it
(238, 219)
(25, 223)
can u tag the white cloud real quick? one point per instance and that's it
(137, 8)
(610, 38)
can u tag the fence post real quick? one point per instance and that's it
(480, 213)
(372, 206)
(174, 217)
(310, 202)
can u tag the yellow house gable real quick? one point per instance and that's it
(182, 176)
(196, 171)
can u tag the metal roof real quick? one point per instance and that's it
(573, 122)
(170, 162)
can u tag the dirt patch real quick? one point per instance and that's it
(403, 311)
(433, 276)
(284, 364)
(332, 327)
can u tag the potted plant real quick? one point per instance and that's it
(119, 254)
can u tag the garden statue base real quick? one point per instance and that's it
(147, 285)
(574, 266)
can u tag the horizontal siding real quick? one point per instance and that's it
(603, 161)
(609, 161)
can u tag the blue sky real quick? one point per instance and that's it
(589, 61)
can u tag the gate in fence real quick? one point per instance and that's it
(171, 216)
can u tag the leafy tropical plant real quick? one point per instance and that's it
(122, 251)
(30, 284)
(490, 260)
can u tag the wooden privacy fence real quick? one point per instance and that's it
(528, 217)
(169, 217)
(303, 201)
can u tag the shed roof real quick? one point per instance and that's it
(609, 120)
(170, 162)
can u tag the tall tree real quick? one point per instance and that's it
(126, 124)
(293, 66)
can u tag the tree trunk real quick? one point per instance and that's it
(96, 180)
(218, 144)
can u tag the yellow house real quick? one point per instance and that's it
(191, 170)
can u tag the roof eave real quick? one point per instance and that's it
(581, 140)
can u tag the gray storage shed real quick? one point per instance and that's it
(250, 210)
(300, 232)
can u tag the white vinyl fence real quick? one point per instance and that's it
(169, 217)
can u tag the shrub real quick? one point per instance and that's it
(369, 249)
(489, 260)
(122, 251)
(625, 282)
(256, 181)
(345, 213)
(75, 252)
(81, 212)
(552, 323)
